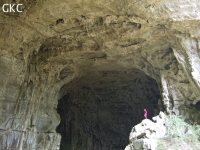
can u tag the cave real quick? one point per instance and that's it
(78, 74)
(100, 108)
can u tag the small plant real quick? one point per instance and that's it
(161, 146)
(197, 130)
(176, 129)
(180, 134)
(176, 126)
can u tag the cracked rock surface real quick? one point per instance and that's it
(46, 50)
(144, 136)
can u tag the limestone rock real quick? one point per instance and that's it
(143, 136)
(142, 144)
(54, 43)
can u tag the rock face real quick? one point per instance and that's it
(143, 136)
(56, 47)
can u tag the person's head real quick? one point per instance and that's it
(144, 109)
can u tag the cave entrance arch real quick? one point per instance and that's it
(100, 108)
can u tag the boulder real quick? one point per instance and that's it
(143, 136)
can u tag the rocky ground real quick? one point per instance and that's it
(164, 133)
(57, 48)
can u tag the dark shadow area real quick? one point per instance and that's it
(197, 105)
(99, 109)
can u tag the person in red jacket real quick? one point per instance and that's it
(145, 113)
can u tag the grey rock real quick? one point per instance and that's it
(53, 43)
(143, 136)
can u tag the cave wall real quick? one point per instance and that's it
(100, 108)
(53, 42)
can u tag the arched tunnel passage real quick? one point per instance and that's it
(100, 108)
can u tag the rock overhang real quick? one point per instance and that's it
(46, 47)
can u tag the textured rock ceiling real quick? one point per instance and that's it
(55, 42)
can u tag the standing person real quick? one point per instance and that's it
(145, 113)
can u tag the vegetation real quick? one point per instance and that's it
(161, 145)
(175, 126)
(180, 135)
